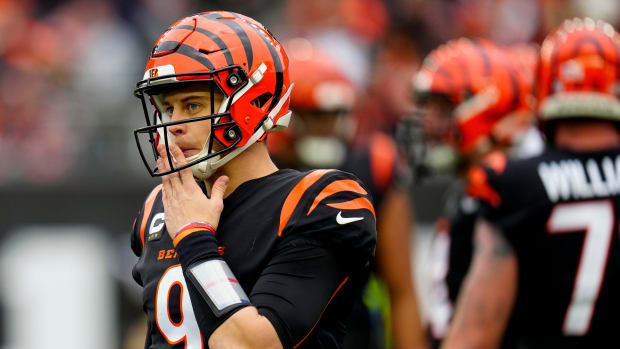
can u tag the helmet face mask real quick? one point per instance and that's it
(157, 130)
(435, 151)
(239, 59)
(324, 99)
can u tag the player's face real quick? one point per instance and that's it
(438, 122)
(186, 103)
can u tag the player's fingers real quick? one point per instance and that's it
(173, 178)
(186, 174)
(164, 192)
(219, 188)
(161, 167)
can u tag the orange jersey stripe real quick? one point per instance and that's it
(295, 195)
(148, 206)
(336, 187)
(479, 187)
(356, 204)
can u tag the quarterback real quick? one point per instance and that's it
(234, 252)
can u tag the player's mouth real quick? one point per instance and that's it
(189, 152)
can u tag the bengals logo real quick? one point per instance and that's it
(153, 73)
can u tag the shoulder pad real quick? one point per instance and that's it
(478, 186)
(319, 186)
(146, 211)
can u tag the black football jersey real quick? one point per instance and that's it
(558, 211)
(300, 245)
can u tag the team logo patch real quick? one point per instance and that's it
(156, 230)
(159, 71)
(153, 73)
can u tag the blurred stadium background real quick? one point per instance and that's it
(70, 176)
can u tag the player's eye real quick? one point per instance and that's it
(168, 111)
(193, 107)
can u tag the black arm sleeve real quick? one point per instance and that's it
(296, 287)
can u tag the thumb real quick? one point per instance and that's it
(219, 188)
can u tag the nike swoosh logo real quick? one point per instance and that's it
(346, 220)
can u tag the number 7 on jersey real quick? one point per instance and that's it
(596, 218)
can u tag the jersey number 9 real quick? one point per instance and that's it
(187, 329)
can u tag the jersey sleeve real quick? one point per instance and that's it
(337, 210)
(139, 224)
(138, 229)
(135, 241)
(496, 191)
(324, 254)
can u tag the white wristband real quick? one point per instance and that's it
(218, 285)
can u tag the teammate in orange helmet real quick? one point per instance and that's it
(233, 252)
(473, 92)
(320, 137)
(547, 244)
(476, 103)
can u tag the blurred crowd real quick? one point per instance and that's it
(69, 67)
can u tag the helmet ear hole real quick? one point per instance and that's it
(261, 100)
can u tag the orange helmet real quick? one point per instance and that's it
(319, 84)
(484, 85)
(578, 72)
(240, 59)
(440, 73)
(525, 57)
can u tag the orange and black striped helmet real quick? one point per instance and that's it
(240, 59)
(578, 72)
(483, 83)
(440, 73)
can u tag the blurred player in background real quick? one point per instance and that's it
(475, 105)
(320, 137)
(234, 253)
(547, 251)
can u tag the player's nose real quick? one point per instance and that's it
(178, 129)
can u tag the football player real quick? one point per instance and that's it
(547, 242)
(475, 106)
(320, 136)
(233, 252)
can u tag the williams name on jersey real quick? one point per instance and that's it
(577, 179)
